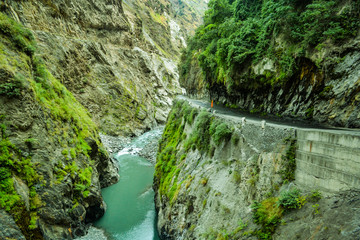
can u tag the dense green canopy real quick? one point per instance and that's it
(239, 33)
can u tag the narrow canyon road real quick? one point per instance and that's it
(237, 115)
(326, 157)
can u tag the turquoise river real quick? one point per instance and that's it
(130, 213)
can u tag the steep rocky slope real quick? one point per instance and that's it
(75, 69)
(287, 58)
(52, 162)
(117, 58)
(219, 177)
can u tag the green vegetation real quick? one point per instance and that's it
(236, 33)
(289, 162)
(21, 38)
(237, 176)
(169, 160)
(10, 89)
(326, 91)
(220, 131)
(204, 181)
(204, 202)
(200, 136)
(269, 212)
(166, 170)
(81, 178)
(223, 234)
(309, 113)
(235, 139)
(316, 208)
(67, 123)
(193, 114)
(291, 199)
(60, 105)
(315, 196)
(13, 168)
(212, 234)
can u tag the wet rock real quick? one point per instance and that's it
(95, 207)
(109, 170)
(78, 212)
(114, 144)
(54, 232)
(8, 228)
(106, 166)
(149, 150)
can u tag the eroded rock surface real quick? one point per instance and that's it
(75, 69)
(118, 59)
(214, 172)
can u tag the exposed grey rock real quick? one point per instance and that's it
(335, 217)
(114, 144)
(8, 228)
(216, 188)
(107, 167)
(115, 58)
(149, 151)
(120, 65)
(22, 189)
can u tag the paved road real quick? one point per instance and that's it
(270, 120)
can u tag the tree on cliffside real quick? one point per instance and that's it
(238, 34)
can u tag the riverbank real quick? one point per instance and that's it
(130, 202)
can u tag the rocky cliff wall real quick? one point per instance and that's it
(218, 177)
(77, 68)
(118, 59)
(52, 162)
(291, 61)
(327, 93)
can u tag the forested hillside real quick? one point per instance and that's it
(268, 46)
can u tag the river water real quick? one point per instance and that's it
(130, 213)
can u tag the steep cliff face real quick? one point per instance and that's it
(218, 177)
(289, 58)
(76, 68)
(118, 59)
(51, 156)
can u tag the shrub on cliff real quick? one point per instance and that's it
(291, 199)
(268, 214)
(200, 137)
(220, 131)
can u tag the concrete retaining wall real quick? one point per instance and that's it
(328, 160)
